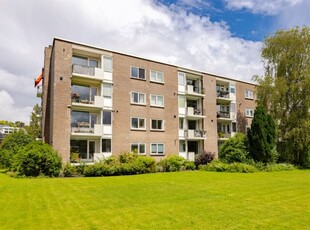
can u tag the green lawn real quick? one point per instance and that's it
(185, 200)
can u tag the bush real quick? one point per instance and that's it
(124, 164)
(175, 163)
(37, 159)
(218, 166)
(235, 149)
(204, 158)
(279, 167)
(69, 170)
(10, 145)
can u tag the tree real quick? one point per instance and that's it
(10, 145)
(262, 137)
(285, 90)
(34, 128)
(234, 149)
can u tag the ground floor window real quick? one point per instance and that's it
(138, 148)
(84, 148)
(157, 148)
(106, 145)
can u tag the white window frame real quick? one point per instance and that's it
(132, 98)
(138, 68)
(156, 76)
(138, 144)
(248, 94)
(249, 112)
(163, 124)
(156, 96)
(139, 128)
(183, 75)
(156, 153)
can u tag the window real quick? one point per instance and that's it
(248, 94)
(249, 112)
(181, 123)
(107, 64)
(181, 101)
(83, 61)
(232, 88)
(157, 125)
(106, 117)
(106, 145)
(157, 149)
(138, 148)
(234, 127)
(157, 76)
(83, 121)
(107, 90)
(138, 98)
(181, 78)
(137, 123)
(138, 73)
(84, 148)
(83, 94)
(157, 100)
(182, 146)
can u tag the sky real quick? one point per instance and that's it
(222, 37)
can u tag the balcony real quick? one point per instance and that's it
(194, 91)
(192, 134)
(39, 91)
(223, 95)
(222, 136)
(85, 129)
(194, 114)
(97, 102)
(91, 73)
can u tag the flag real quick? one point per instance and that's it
(38, 79)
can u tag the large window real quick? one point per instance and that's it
(157, 76)
(138, 98)
(106, 146)
(83, 121)
(84, 148)
(182, 146)
(83, 61)
(138, 148)
(138, 123)
(157, 100)
(106, 117)
(138, 73)
(157, 149)
(83, 94)
(157, 125)
(248, 94)
(249, 112)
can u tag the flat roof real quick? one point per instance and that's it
(146, 59)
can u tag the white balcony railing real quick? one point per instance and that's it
(193, 134)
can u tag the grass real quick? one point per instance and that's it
(184, 200)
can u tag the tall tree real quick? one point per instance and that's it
(285, 90)
(34, 128)
(262, 137)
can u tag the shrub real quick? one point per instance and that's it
(218, 166)
(175, 163)
(124, 164)
(10, 145)
(234, 149)
(37, 159)
(279, 167)
(204, 158)
(69, 170)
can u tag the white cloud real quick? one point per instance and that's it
(9, 110)
(139, 27)
(270, 7)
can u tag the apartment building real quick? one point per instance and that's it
(97, 102)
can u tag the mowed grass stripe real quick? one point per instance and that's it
(185, 200)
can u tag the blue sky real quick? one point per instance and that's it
(222, 37)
